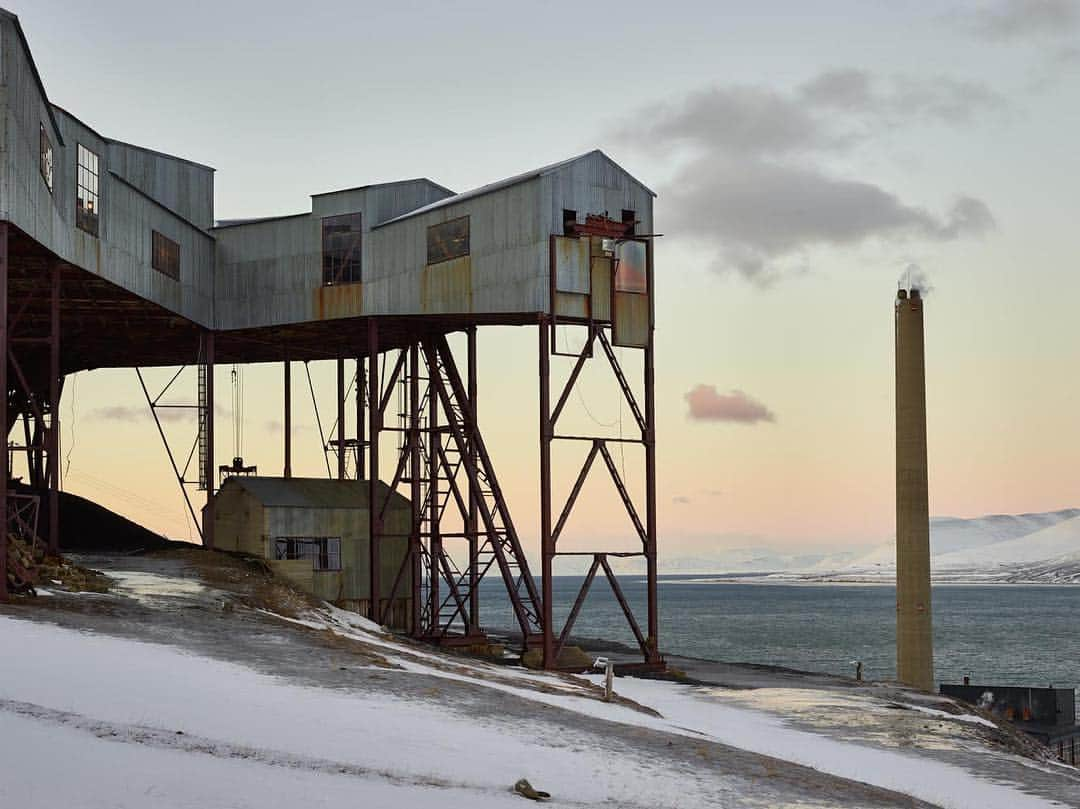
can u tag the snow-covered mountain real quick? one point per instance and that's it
(1042, 547)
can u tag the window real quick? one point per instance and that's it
(166, 256)
(569, 222)
(630, 220)
(45, 159)
(324, 552)
(342, 240)
(448, 240)
(630, 272)
(86, 191)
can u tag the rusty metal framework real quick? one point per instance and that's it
(461, 530)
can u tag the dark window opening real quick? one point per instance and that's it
(45, 158)
(324, 552)
(629, 218)
(448, 240)
(569, 221)
(342, 241)
(87, 198)
(166, 256)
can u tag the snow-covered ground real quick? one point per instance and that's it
(90, 719)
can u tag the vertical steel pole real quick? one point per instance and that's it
(52, 476)
(341, 418)
(471, 528)
(415, 470)
(209, 471)
(435, 541)
(288, 419)
(360, 473)
(547, 547)
(4, 406)
(653, 638)
(374, 426)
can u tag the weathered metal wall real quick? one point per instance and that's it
(243, 523)
(176, 195)
(270, 271)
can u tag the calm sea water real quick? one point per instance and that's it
(1006, 635)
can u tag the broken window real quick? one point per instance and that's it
(324, 552)
(630, 271)
(166, 256)
(342, 240)
(86, 191)
(45, 158)
(448, 240)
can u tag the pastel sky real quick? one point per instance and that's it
(805, 155)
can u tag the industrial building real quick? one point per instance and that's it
(96, 232)
(314, 532)
(1047, 715)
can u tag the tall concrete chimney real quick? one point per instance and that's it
(914, 631)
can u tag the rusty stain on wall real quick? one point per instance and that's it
(447, 286)
(342, 300)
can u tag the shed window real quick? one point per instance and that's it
(166, 256)
(324, 552)
(342, 240)
(448, 240)
(86, 194)
(45, 158)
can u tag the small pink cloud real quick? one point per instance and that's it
(708, 405)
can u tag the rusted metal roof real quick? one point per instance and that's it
(311, 492)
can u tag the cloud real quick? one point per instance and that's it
(1020, 19)
(756, 185)
(166, 414)
(708, 405)
(681, 500)
(760, 216)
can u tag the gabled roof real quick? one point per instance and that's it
(311, 492)
(7, 15)
(507, 183)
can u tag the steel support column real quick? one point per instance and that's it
(547, 545)
(374, 427)
(473, 520)
(360, 449)
(288, 419)
(341, 418)
(52, 475)
(4, 404)
(435, 547)
(653, 654)
(210, 471)
(415, 470)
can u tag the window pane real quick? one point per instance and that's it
(87, 209)
(630, 273)
(448, 240)
(165, 256)
(342, 244)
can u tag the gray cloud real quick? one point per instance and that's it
(873, 102)
(741, 119)
(1020, 19)
(681, 500)
(760, 216)
(706, 404)
(756, 187)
